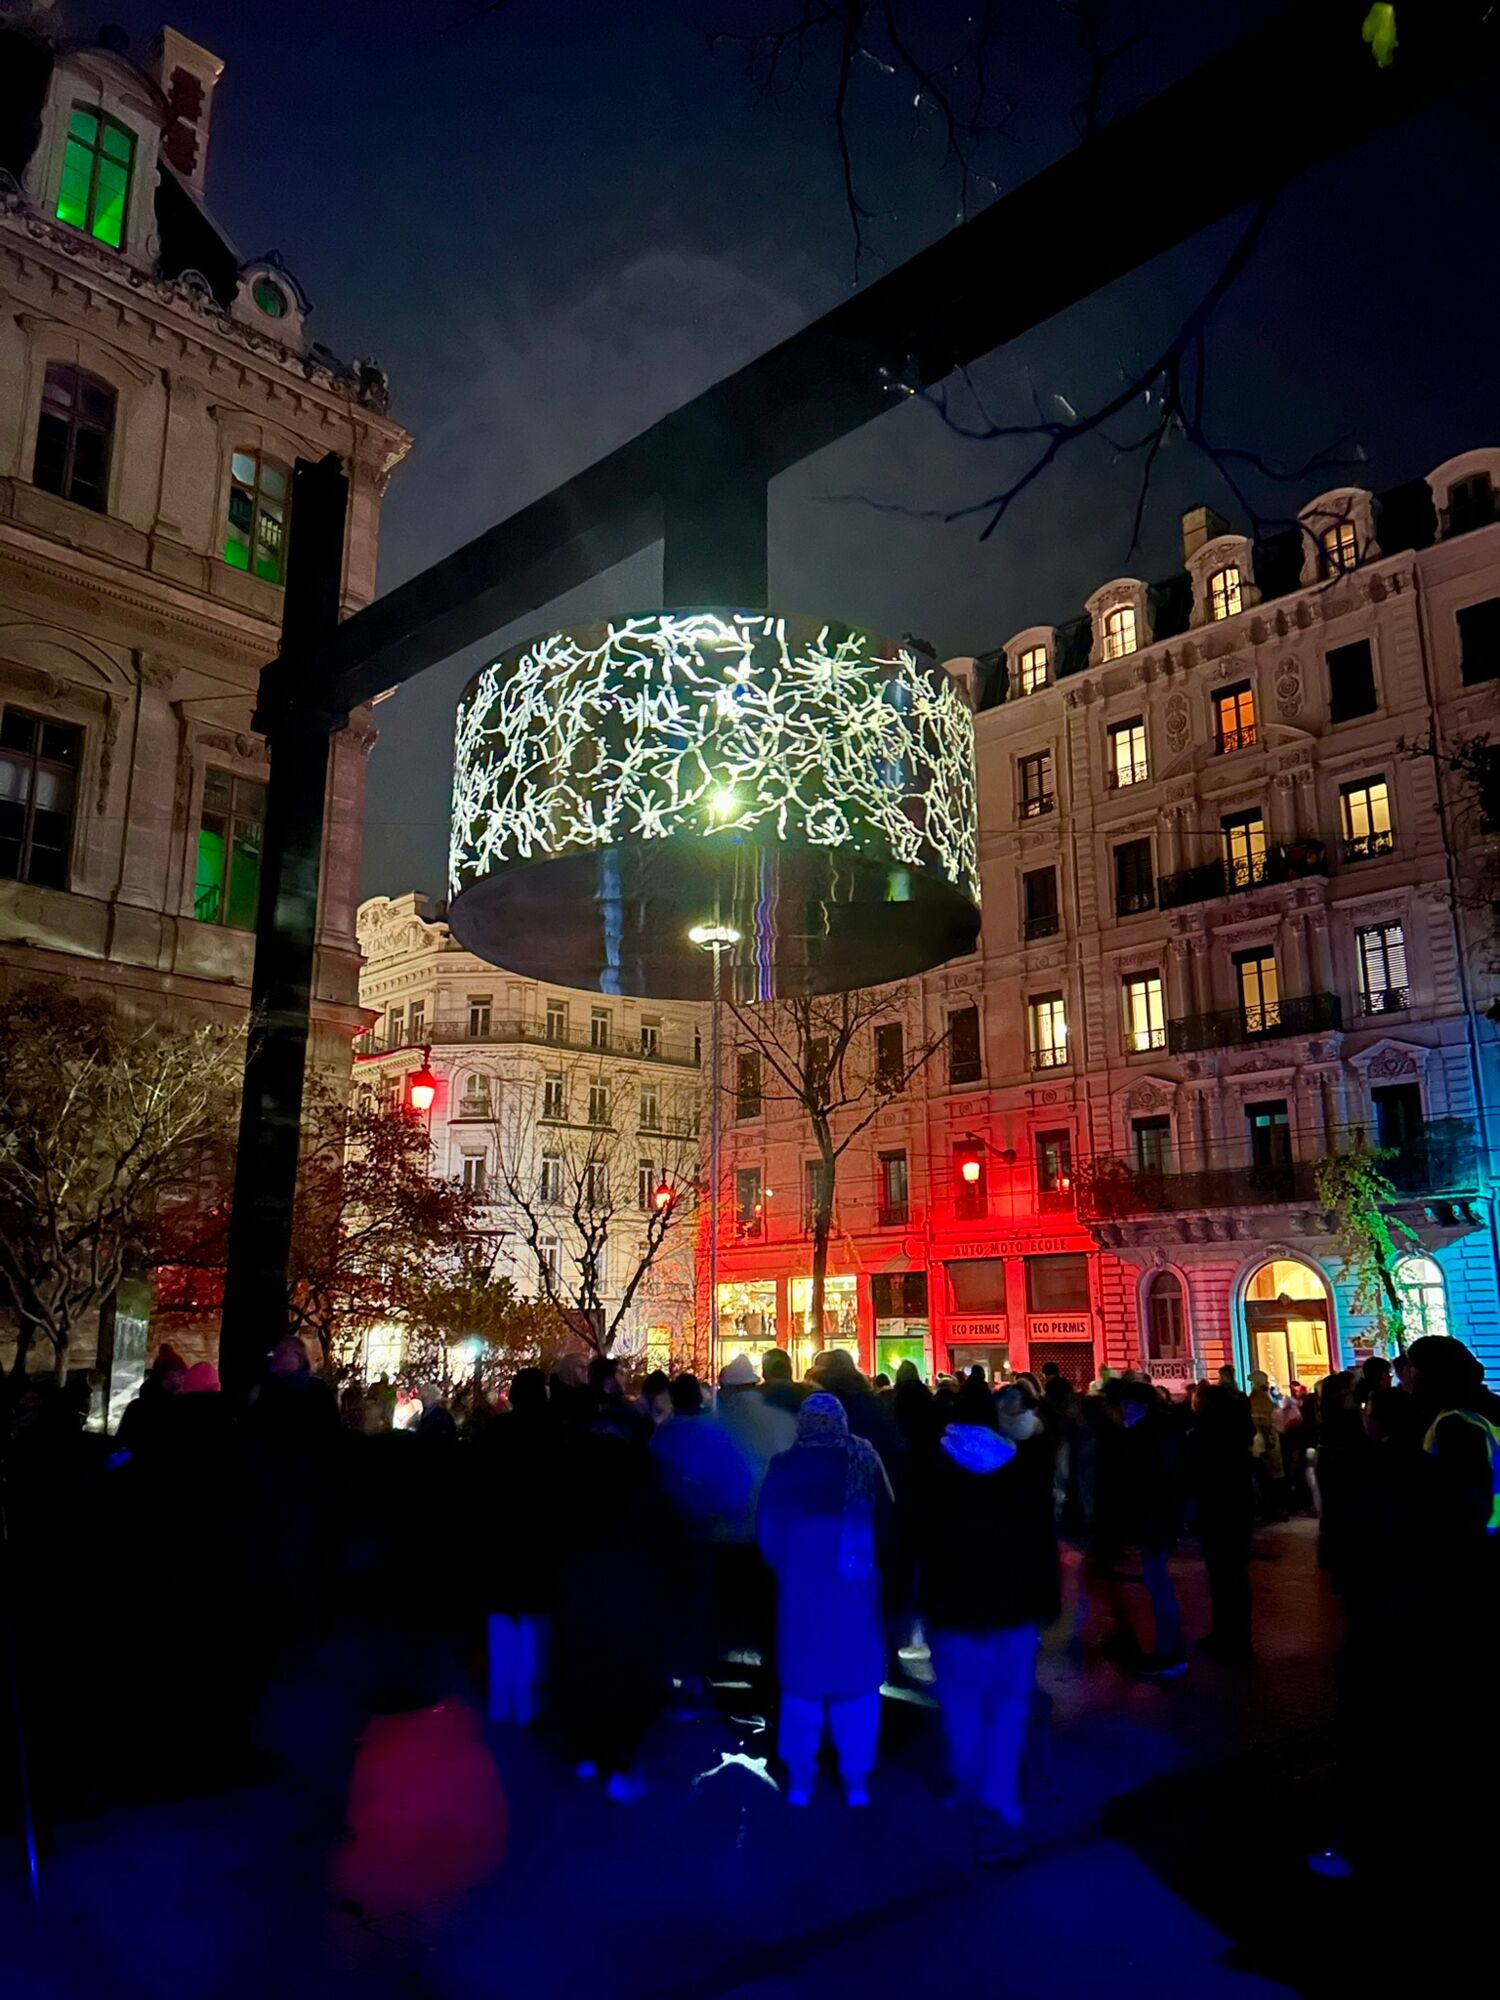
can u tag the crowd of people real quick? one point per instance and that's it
(610, 1543)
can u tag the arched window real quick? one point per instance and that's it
(1119, 632)
(1424, 1301)
(1166, 1319)
(1225, 596)
(474, 1100)
(73, 435)
(94, 193)
(255, 537)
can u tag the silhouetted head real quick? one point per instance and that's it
(687, 1396)
(528, 1392)
(776, 1365)
(974, 1403)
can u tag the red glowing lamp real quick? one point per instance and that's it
(971, 1168)
(662, 1198)
(421, 1089)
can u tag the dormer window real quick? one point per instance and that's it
(98, 159)
(1225, 596)
(1471, 504)
(1033, 670)
(255, 538)
(270, 298)
(1119, 632)
(1339, 548)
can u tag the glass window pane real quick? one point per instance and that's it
(83, 124)
(119, 144)
(216, 789)
(60, 743)
(241, 509)
(73, 190)
(236, 551)
(50, 469)
(244, 878)
(17, 729)
(273, 480)
(208, 879)
(242, 465)
(109, 203)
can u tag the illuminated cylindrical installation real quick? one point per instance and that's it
(803, 783)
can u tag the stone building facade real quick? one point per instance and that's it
(155, 389)
(572, 1112)
(1225, 929)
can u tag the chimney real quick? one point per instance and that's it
(1200, 525)
(188, 75)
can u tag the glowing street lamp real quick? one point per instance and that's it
(422, 1086)
(662, 1198)
(971, 1167)
(717, 937)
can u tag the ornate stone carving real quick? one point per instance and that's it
(1149, 1097)
(1389, 1063)
(1289, 689)
(1178, 721)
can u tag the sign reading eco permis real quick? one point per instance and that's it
(806, 784)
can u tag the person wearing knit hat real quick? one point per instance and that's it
(202, 1379)
(739, 1374)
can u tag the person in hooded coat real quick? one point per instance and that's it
(824, 1510)
(990, 1582)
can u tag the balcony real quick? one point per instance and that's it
(1134, 902)
(1366, 846)
(1285, 861)
(585, 1041)
(1045, 926)
(1229, 740)
(1313, 1014)
(1385, 1000)
(1121, 775)
(892, 1215)
(1112, 1188)
(1060, 1200)
(1038, 804)
(1443, 1159)
(1054, 1058)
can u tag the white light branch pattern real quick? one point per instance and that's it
(672, 727)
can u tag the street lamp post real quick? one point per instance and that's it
(717, 938)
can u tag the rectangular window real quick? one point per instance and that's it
(1365, 819)
(1047, 1030)
(1034, 784)
(646, 1184)
(650, 1035)
(472, 1172)
(1135, 881)
(1339, 547)
(893, 1190)
(557, 1020)
(890, 1055)
(1260, 1000)
(748, 1205)
(816, 1065)
(1479, 641)
(596, 1185)
(1127, 754)
(1270, 1133)
(1151, 1139)
(1039, 911)
(813, 1183)
(231, 837)
(475, 1100)
(395, 1028)
(1145, 1012)
(598, 1027)
(1058, 1284)
(650, 1116)
(1399, 1121)
(551, 1186)
(1033, 670)
(479, 1017)
(549, 1260)
(598, 1103)
(1382, 968)
(1244, 839)
(255, 539)
(964, 1065)
(1054, 1170)
(554, 1097)
(747, 1098)
(73, 436)
(1119, 632)
(978, 1284)
(899, 1294)
(38, 772)
(419, 1021)
(98, 160)
(1234, 719)
(1226, 595)
(1351, 681)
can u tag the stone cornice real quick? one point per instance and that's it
(198, 321)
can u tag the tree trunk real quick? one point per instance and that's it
(822, 1230)
(60, 1361)
(1396, 1318)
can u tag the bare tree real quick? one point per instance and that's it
(601, 1194)
(104, 1126)
(821, 1053)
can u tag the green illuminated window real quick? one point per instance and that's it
(95, 188)
(255, 535)
(230, 837)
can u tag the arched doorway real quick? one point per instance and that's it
(1289, 1323)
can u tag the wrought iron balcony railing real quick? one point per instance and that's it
(380, 1041)
(1365, 846)
(1284, 861)
(892, 1215)
(1266, 1020)
(1114, 1188)
(1385, 1000)
(1038, 804)
(1047, 925)
(1229, 740)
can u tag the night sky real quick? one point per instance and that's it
(555, 224)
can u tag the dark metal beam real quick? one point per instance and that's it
(1297, 91)
(297, 727)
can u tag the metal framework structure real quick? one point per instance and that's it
(1298, 90)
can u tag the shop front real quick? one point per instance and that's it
(901, 1322)
(1016, 1302)
(840, 1327)
(746, 1320)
